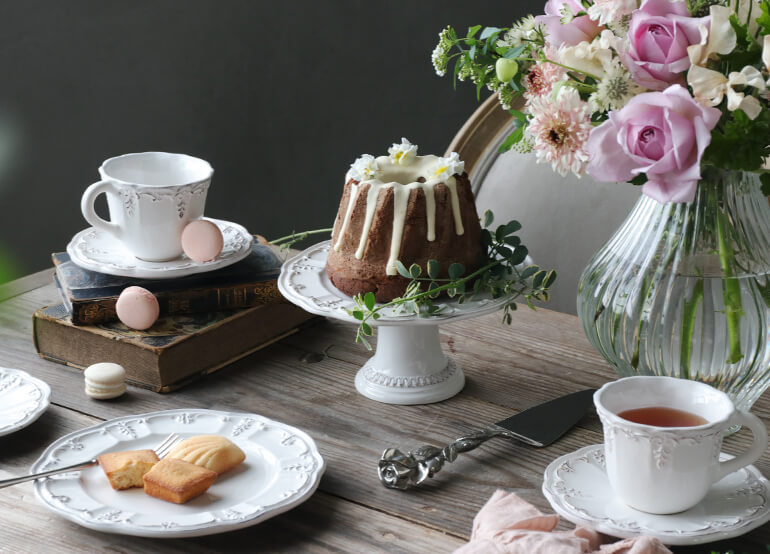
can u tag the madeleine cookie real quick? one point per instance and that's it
(126, 469)
(177, 481)
(210, 451)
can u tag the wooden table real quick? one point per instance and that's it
(542, 355)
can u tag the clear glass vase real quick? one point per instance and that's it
(682, 289)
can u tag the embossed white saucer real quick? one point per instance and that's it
(98, 250)
(409, 366)
(23, 399)
(577, 487)
(282, 469)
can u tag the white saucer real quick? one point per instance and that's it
(576, 485)
(99, 251)
(23, 399)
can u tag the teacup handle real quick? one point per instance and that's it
(753, 453)
(87, 207)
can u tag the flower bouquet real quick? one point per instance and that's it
(671, 95)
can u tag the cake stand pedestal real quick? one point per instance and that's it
(409, 366)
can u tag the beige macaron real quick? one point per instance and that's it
(105, 380)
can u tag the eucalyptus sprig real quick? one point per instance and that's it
(290, 240)
(500, 274)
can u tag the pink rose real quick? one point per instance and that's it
(661, 134)
(658, 36)
(572, 33)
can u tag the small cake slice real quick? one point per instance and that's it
(125, 469)
(210, 451)
(177, 481)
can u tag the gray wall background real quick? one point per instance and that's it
(280, 97)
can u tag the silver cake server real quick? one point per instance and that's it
(539, 426)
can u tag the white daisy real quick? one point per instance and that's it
(449, 166)
(365, 167)
(404, 153)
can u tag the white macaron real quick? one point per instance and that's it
(105, 380)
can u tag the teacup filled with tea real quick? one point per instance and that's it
(663, 437)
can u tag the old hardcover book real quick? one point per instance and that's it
(174, 351)
(91, 296)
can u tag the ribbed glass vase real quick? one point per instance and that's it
(682, 289)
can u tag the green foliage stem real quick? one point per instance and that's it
(731, 292)
(688, 328)
(499, 276)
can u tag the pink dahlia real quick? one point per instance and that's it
(560, 130)
(541, 78)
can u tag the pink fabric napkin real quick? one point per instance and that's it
(506, 524)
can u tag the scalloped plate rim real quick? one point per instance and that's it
(694, 538)
(158, 271)
(466, 311)
(42, 403)
(194, 530)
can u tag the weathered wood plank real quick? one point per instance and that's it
(25, 284)
(28, 526)
(540, 356)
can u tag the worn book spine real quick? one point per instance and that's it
(99, 310)
(173, 352)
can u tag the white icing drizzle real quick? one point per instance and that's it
(451, 183)
(403, 180)
(371, 205)
(351, 202)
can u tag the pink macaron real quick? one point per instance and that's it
(137, 308)
(202, 240)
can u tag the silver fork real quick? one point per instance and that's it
(161, 450)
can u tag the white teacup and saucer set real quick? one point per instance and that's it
(151, 197)
(660, 471)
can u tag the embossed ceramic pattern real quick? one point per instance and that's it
(98, 250)
(151, 196)
(23, 399)
(304, 281)
(665, 470)
(409, 366)
(577, 487)
(282, 469)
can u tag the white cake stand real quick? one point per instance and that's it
(408, 366)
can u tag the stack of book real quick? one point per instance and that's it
(208, 320)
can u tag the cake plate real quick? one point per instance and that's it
(409, 366)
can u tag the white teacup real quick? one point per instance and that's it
(664, 470)
(151, 197)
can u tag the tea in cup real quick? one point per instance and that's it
(151, 196)
(663, 437)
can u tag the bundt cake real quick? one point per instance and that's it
(402, 207)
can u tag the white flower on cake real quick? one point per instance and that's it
(365, 167)
(404, 153)
(449, 166)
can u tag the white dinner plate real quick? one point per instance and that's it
(23, 399)
(281, 470)
(97, 250)
(578, 489)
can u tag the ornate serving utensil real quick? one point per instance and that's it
(538, 426)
